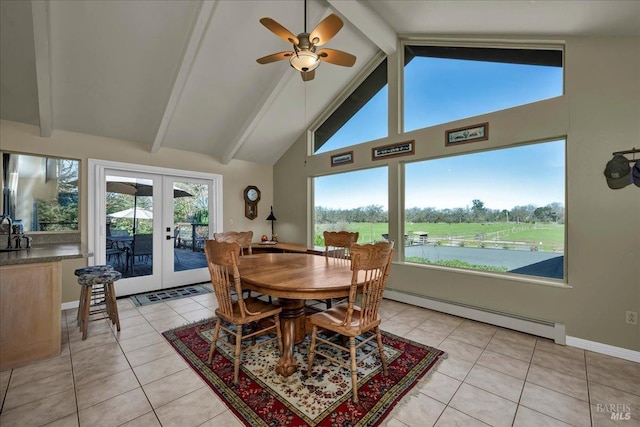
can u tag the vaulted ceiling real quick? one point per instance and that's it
(183, 73)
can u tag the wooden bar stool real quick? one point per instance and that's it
(98, 288)
(87, 270)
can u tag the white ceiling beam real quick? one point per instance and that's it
(372, 25)
(263, 105)
(42, 38)
(197, 35)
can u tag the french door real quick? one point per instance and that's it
(151, 224)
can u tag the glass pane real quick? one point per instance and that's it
(191, 225)
(129, 240)
(352, 201)
(500, 210)
(40, 192)
(439, 90)
(361, 117)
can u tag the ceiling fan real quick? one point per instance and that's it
(304, 56)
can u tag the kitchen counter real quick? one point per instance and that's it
(30, 302)
(45, 253)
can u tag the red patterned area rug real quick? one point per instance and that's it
(264, 398)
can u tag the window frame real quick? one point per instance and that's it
(563, 282)
(554, 45)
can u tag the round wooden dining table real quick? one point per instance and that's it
(293, 278)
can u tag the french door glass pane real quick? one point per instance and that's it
(191, 225)
(129, 237)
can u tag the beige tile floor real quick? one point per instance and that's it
(492, 376)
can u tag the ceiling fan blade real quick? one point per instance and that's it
(279, 30)
(325, 30)
(336, 57)
(309, 75)
(274, 57)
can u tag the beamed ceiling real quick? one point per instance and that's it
(183, 74)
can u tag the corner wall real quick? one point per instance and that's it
(599, 114)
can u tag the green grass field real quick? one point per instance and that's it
(548, 237)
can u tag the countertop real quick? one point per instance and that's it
(45, 253)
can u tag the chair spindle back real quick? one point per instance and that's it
(244, 238)
(337, 244)
(222, 259)
(370, 264)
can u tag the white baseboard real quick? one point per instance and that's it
(70, 304)
(609, 350)
(554, 331)
(551, 330)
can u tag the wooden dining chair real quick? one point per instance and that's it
(360, 324)
(336, 251)
(244, 238)
(222, 259)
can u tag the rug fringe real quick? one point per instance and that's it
(189, 324)
(414, 391)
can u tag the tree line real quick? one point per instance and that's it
(477, 212)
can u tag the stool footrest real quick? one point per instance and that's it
(97, 295)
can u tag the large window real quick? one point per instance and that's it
(352, 201)
(500, 210)
(361, 117)
(443, 84)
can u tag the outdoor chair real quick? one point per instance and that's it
(360, 324)
(141, 248)
(114, 251)
(336, 251)
(234, 314)
(184, 236)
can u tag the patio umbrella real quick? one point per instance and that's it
(135, 189)
(138, 213)
(138, 189)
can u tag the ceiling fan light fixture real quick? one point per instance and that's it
(304, 61)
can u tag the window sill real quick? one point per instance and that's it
(502, 276)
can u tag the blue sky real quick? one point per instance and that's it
(439, 91)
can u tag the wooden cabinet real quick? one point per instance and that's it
(30, 312)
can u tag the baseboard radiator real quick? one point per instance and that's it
(541, 328)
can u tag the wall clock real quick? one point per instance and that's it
(251, 199)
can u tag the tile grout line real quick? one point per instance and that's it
(471, 385)
(6, 392)
(73, 375)
(142, 387)
(586, 372)
(134, 373)
(524, 383)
